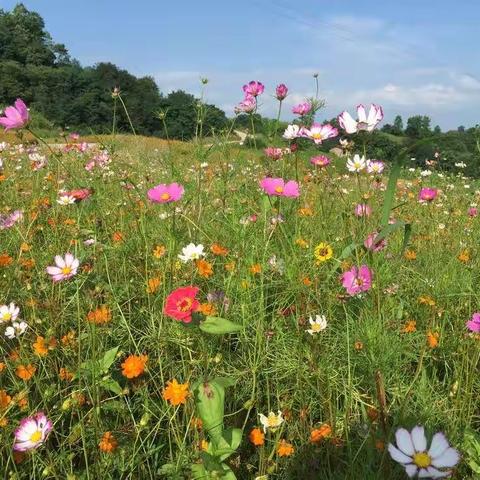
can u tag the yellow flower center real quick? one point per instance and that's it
(66, 270)
(316, 327)
(165, 196)
(317, 136)
(36, 436)
(272, 421)
(7, 316)
(185, 304)
(279, 189)
(422, 460)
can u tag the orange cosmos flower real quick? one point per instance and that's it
(255, 269)
(117, 237)
(217, 249)
(285, 449)
(101, 315)
(153, 284)
(65, 374)
(175, 393)
(464, 256)
(5, 399)
(159, 251)
(5, 260)
(134, 365)
(410, 327)
(208, 309)
(108, 443)
(257, 437)
(40, 347)
(410, 255)
(230, 266)
(25, 372)
(205, 268)
(318, 434)
(433, 339)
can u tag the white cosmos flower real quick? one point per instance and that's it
(15, 330)
(9, 313)
(357, 164)
(364, 121)
(425, 173)
(292, 132)
(191, 252)
(66, 200)
(411, 452)
(272, 422)
(317, 325)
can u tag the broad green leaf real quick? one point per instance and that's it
(111, 385)
(108, 359)
(219, 326)
(209, 400)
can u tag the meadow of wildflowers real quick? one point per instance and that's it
(206, 311)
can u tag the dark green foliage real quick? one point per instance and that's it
(41, 72)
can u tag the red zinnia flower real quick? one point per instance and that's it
(181, 303)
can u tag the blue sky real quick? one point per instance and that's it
(412, 57)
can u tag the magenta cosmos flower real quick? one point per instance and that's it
(253, 88)
(363, 210)
(318, 133)
(281, 92)
(472, 212)
(373, 246)
(302, 108)
(357, 280)
(274, 153)
(64, 268)
(247, 105)
(15, 117)
(320, 161)
(474, 324)
(427, 194)
(32, 432)
(166, 193)
(364, 121)
(280, 188)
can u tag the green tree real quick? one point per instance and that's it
(418, 126)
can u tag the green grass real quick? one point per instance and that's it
(273, 363)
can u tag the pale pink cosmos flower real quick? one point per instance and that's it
(318, 133)
(375, 166)
(253, 88)
(32, 432)
(247, 105)
(281, 92)
(373, 246)
(474, 324)
(427, 194)
(363, 210)
(364, 121)
(302, 108)
(65, 267)
(357, 280)
(320, 161)
(292, 132)
(280, 188)
(275, 153)
(16, 116)
(9, 220)
(166, 193)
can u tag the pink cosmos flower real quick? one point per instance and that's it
(281, 92)
(474, 324)
(15, 117)
(375, 166)
(32, 432)
(373, 246)
(9, 220)
(320, 161)
(427, 194)
(64, 268)
(280, 188)
(181, 303)
(302, 108)
(164, 193)
(472, 212)
(274, 153)
(247, 105)
(363, 210)
(318, 133)
(253, 88)
(364, 121)
(357, 280)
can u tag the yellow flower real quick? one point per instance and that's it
(323, 252)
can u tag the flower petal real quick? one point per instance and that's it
(404, 441)
(449, 458)
(398, 455)
(431, 472)
(418, 438)
(411, 470)
(439, 445)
